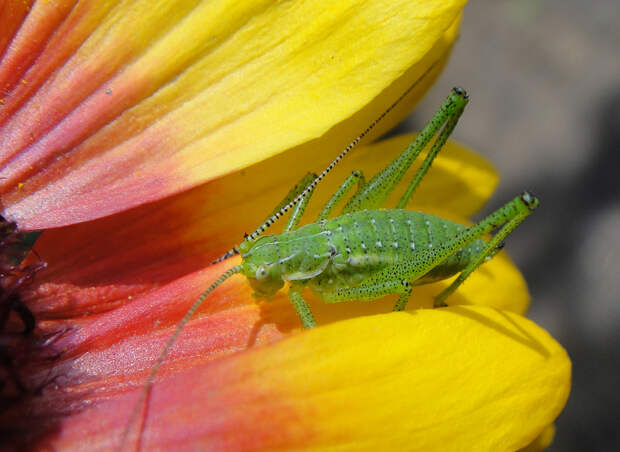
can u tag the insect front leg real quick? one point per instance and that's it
(377, 190)
(300, 305)
(293, 192)
(278, 212)
(299, 209)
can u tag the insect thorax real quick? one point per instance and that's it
(296, 255)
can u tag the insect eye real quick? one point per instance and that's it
(261, 272)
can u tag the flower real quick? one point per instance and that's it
(178, 99)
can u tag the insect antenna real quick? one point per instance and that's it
(162, 356)
(276, 216)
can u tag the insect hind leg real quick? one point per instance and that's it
(376, 191)
(493, 247)
(369, 292)
(426, 164)
(510, 215)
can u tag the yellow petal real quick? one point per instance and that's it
(463, 378)
(148, 98)
(453, 379)
(542, 441)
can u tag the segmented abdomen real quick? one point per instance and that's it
(368, 240)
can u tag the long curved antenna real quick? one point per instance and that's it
(162, 356)
(228, 254)
(275, 217)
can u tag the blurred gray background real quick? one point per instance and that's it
(544, 80)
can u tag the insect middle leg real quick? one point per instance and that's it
(368, 293)
(356, 177)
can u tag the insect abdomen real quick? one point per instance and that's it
(369, 240)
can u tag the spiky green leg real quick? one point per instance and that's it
(356, 177)
(401, 303)
(377, 190)
(492, 247)
(368, 292)
(292, 194)
(299, 209)
(302, 308)
(511, 214)
(426, 164)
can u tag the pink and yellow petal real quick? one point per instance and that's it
(41, 38)
(230, 318)
(449, 379)
(13, 14)
(89, 271)
(116, 348)
(140, 100)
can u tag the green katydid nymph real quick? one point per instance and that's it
(367, 251)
